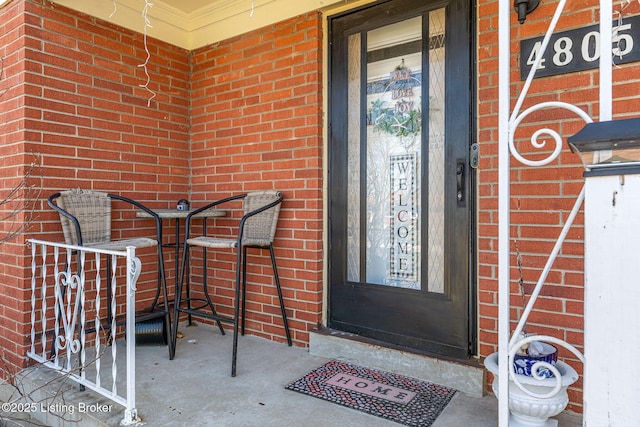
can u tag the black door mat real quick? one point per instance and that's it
(395, 397)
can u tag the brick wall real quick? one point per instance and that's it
(257, 124)
(70, 94)
(12, 169)
(541, 197)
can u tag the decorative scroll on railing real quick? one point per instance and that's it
(515, 343)
(538, 142)
(72, 330)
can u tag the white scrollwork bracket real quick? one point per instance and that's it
(538, 367)
(537, 140)
(71, 286)
(135, 268)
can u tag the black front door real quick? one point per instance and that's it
(399, 196)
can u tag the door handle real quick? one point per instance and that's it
(460, 182)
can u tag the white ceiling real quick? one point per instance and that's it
(188, 6)
(195, 23)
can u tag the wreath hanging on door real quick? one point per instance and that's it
(398, 121)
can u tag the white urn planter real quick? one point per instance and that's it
(529, 411)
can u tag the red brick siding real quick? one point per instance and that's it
(257, 124)
(541, 198)
(12, 169)
(70, 93)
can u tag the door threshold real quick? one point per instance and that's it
(466, 376)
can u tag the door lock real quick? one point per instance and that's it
(460, 181)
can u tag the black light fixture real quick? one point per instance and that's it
(524, 7)
(609, 147)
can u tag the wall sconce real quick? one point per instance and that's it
(609, 147)
(524, 7)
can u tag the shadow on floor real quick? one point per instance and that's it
(196, 389)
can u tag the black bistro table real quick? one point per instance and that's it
(179, 216)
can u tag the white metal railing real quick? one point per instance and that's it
(71, 331)
(508, 122)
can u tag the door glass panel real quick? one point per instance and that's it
(435, 246)
(392, 150)
(393, 146)
(390, 200)
(353, 181)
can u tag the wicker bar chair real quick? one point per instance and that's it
(256, 229)
(85, 216)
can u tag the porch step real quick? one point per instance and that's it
(60, 403)
(468, 377)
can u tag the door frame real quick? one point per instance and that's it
(473, 321)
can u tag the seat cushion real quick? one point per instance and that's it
(212, 242)
(121, 245)
(262, 243)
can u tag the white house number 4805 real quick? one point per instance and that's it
(579, 49)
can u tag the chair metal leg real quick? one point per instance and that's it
(176, 315)
(236, 312)
(206, 291)
(178, 299)
(156, 298)
(279, 289)
(183, 278)
(244, 286)
(162, 282)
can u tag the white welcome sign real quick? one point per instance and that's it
(404, 211)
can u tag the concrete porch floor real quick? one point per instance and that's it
(196, 389)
